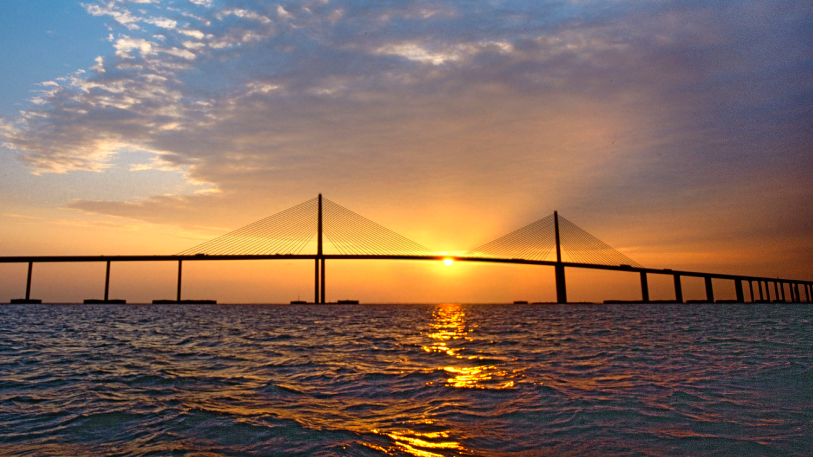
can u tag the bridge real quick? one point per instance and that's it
(551, 241)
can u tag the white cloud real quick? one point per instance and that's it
(122, 16)
(419, 53)
(281, 12)
(163, 22)
(126, 44)
(245, 14)
(183, 53)
(193, 33)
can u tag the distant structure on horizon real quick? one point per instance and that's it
(550, 241)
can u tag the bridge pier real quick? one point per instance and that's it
(107, 281)
(738, 290)
(807, 291)
(178, 294)
(678, 289)
(761, 297)
(709, 290)
(320, 284)
(776, 289)
(28, 282)
(559, 269)
(316, 281)
(796, 290)
(323, 283)
(561, 286)
(644, 288)
(751, 290)
(27, 298)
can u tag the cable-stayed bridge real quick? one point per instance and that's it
(322, 230)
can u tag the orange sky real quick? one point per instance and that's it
(678, 134)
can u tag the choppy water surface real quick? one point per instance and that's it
(412, 380)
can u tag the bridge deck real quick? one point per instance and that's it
(164, 258)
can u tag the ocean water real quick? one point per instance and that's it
(406, 380)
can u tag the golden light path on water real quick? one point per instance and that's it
(450, 324)
(448, 335)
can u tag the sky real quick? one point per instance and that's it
(677, 131)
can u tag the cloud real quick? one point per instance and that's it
(601, 106)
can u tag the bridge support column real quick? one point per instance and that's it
(28, 282)
(738, 289)
(180, 267)
(678, 290)
(776, 290)
(316, 282)
(751, 290)
(644, 288)
(782, 288)
(807, 291)
(561, 286)
(323, 283)
(559, 269)
(761, 297)
(107, 281)
(709, 290)
(796, 292)
(320, 297)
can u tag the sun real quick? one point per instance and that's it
(447, 261)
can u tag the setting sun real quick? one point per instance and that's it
(447, 261)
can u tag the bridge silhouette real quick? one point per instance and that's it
(322, 230)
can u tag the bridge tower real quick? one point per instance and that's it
(559, 269)
(319, 287)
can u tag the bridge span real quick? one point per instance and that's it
(547, 242)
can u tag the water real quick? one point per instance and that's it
(410, 380)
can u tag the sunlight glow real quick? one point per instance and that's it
(447, 261)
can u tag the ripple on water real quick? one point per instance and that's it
(410, 380)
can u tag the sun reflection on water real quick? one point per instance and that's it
(413, 443)
(453, 349)
(449, 328)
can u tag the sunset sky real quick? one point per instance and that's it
(679, 132)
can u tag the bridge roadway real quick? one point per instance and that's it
(779, 284)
